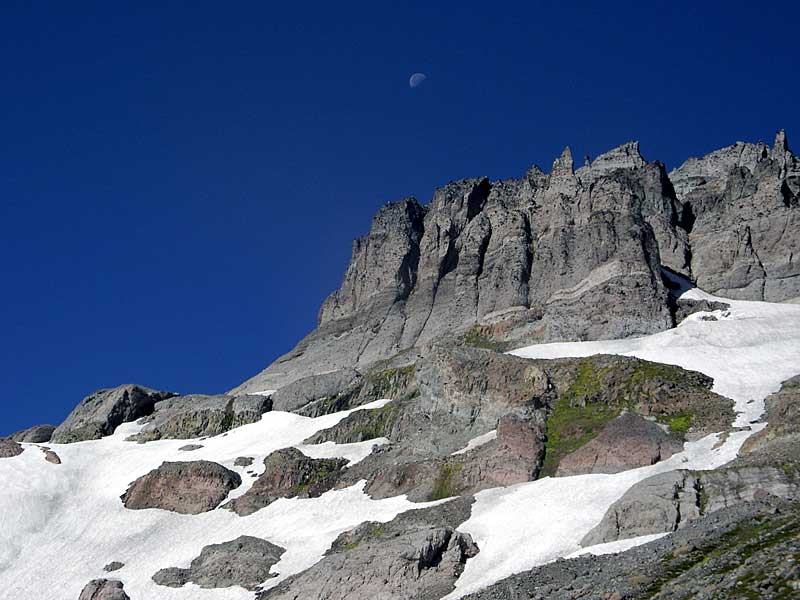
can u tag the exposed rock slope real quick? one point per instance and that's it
(416, 556)
(100, 413)
(245, 561)
(183, 487)
(568, 255)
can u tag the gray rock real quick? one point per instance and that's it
(671, 501)
(34, 435)
(520, 256)
(314, 388)
(104, 589)
(418, 555)
(684, 308)
(190, 447)
(245, 561)
(183, 487)
(100, 413)
(743, 218)
(197, 415)
(243, 461)
(627, 442)
(780, 440)
(9, 448)
(52, 457)
(739, 552)
(113, 566)
(288, 474)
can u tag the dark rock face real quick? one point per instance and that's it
(100, 413)
(9, 448)
(197, 415)
(34, 435)
(243, 461)
(418, 555)
(744, 214)
(183, 487)
(685, 308)
(288, 474)
(104, 589)
(245, 561)
(627, 442)
(671, 501)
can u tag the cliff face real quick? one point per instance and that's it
(740, 207)
(567, 255)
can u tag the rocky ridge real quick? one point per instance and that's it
(566, 255)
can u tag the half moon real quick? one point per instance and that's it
(416, 80)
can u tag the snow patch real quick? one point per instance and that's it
(477, 442)
(749, 353)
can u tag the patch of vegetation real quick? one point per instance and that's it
(444, 486)
(374, 424)
(476, 338)
(731, 551)
(322, 470)
(678, 423)
(571, 426)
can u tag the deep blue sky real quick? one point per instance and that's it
(180, 182)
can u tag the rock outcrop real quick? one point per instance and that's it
(417, 556)
(100, 413)
(627, 442)
(670, 501)
(542, 410)
(9, 448)
(741, 207)
(198, 415)
(781, 437)
(34, 435)
(288, 473)
(245, 561)
(182, 487)
(746, 551)
(567, 255)
(104, 589)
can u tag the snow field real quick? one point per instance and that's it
(749, 351)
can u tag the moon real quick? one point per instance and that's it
(416, 80)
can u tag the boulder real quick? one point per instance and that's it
(198, 415)
(104, 589)
(52, 457)
(417, 556)
(113, 566)
(245, 561)
(288, 474)
(182, 487)
(670, 501)
(99, 414)
(9, 448)
(627, 442)
(34, 435)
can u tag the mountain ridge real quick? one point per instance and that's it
(573, 254)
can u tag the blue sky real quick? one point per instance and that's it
(180, 182)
